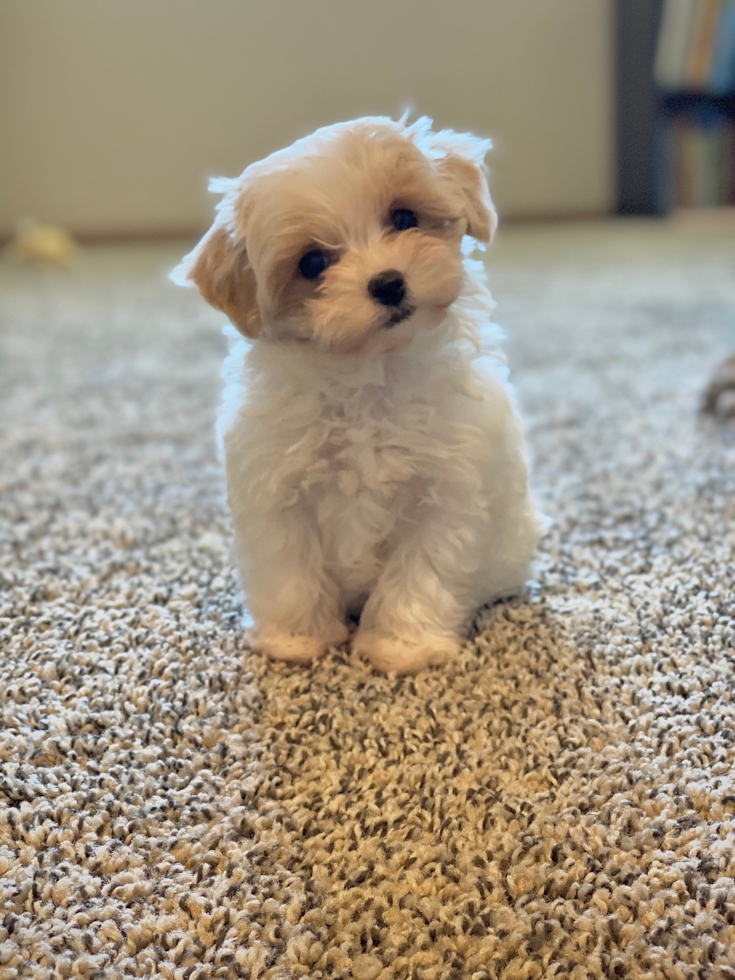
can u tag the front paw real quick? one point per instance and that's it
(298, 648)
(405, 654)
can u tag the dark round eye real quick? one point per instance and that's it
(403, 219)
(313, 263)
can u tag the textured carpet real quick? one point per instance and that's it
(557, 803)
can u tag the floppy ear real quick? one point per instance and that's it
(459, 157)
(219, 267)
(470, 176)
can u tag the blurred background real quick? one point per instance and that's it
(113, 115)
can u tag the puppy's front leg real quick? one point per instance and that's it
(295, 604)
(422, 598)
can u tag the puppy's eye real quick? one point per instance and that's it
(402, 219)
(313, 263)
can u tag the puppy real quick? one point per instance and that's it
(375, 467)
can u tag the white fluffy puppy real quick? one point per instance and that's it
(374, 469)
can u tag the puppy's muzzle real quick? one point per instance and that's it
(389, 289)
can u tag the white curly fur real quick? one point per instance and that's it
(373, 471)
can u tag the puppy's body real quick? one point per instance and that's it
(374, 468)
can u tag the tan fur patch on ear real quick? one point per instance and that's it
(220, 269)
(479, 212)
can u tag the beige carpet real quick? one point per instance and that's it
(558, 803)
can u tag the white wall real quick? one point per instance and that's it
(114, 112)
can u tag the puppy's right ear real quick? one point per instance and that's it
(219, 267)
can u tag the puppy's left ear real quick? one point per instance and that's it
(470, 177)
(460, 159)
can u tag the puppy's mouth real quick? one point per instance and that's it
(401, 313)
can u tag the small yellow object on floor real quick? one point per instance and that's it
(43, 244)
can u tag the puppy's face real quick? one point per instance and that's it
(350, 239)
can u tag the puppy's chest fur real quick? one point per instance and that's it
(358, 452)
(362, 455)
(372, 474)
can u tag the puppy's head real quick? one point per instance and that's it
(350, 238)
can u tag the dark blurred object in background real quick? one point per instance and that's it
(675, 87)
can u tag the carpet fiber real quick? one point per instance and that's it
(557, 803)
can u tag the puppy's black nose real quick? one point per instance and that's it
(389, 287)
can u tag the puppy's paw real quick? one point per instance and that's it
(297, 647)
(405, 654)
